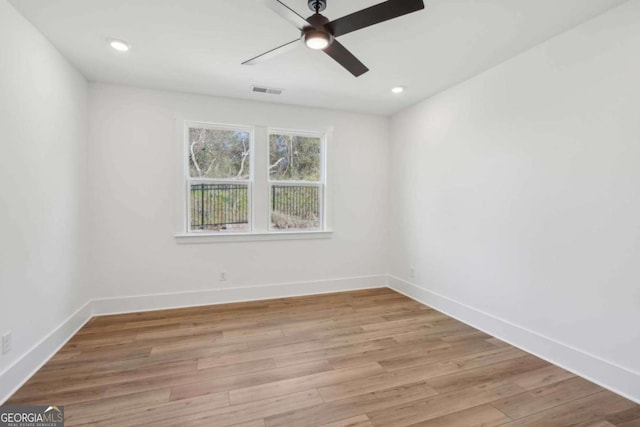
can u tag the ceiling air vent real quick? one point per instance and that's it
(269, 90)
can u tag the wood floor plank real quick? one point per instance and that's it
(630, 416)
(371, 383)
(442, 404)
(251, 411)
(416, 373)
(545, 397)
(302, 345)
(278, 388)
(423, 319)
(422, 353)
(207, 350)
(238, 368)
(349, 320)
(154, 412)
(493, 372)
(590, 409)
(391, 351)
(478, 416)
(102, 382)
(116, 404)
(254, 423)
(497, 342)
(601, 424)
(358, 421)
(408, 314)
(351, 359)
(187, 389)
(66, 398)
(540, 377)
(464, 335)
(350, 407)
(443, 327)
(334, 352)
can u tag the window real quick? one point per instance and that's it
(296, 181)
(219, 178)
(254, 182)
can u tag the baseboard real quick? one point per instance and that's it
(14, 376)
(609, 375)
(137, 303)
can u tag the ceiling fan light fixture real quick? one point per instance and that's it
(316, 39)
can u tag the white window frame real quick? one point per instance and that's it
(321, 184)
(259, 187)
(189, 180)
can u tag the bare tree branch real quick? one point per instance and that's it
(210, 166)
(200, 140)
(276, 163)
(245, 154)
(193, 154)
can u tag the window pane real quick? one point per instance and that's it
(295, 207)
(294, 158)
(219, 207)
(219, 154)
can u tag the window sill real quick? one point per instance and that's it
(190, 238)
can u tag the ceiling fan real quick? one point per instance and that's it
(319, 33)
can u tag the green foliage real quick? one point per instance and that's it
(294, 158)
(219, 154)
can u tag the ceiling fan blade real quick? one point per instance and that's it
(345, 58)
(271, 53)
(374, 15)
(286, 12)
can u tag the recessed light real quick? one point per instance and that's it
(397, 89)
(119, 45)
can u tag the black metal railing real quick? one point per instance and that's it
(214, 206)
(295, 206)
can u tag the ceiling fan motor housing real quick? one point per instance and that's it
(317, 5)
(318, 21)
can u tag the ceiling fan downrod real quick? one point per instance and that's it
(317, 6)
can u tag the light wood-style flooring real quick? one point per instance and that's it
(357, 359)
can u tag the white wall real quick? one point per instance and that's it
(133, 163)
(517, 194)
(43, 120)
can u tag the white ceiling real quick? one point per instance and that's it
(197, 45)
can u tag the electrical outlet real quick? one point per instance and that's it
(6, 343)
(223, 276)
(412, 272)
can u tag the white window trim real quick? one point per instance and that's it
(188, 124)
(185, 236)
(253, 237)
